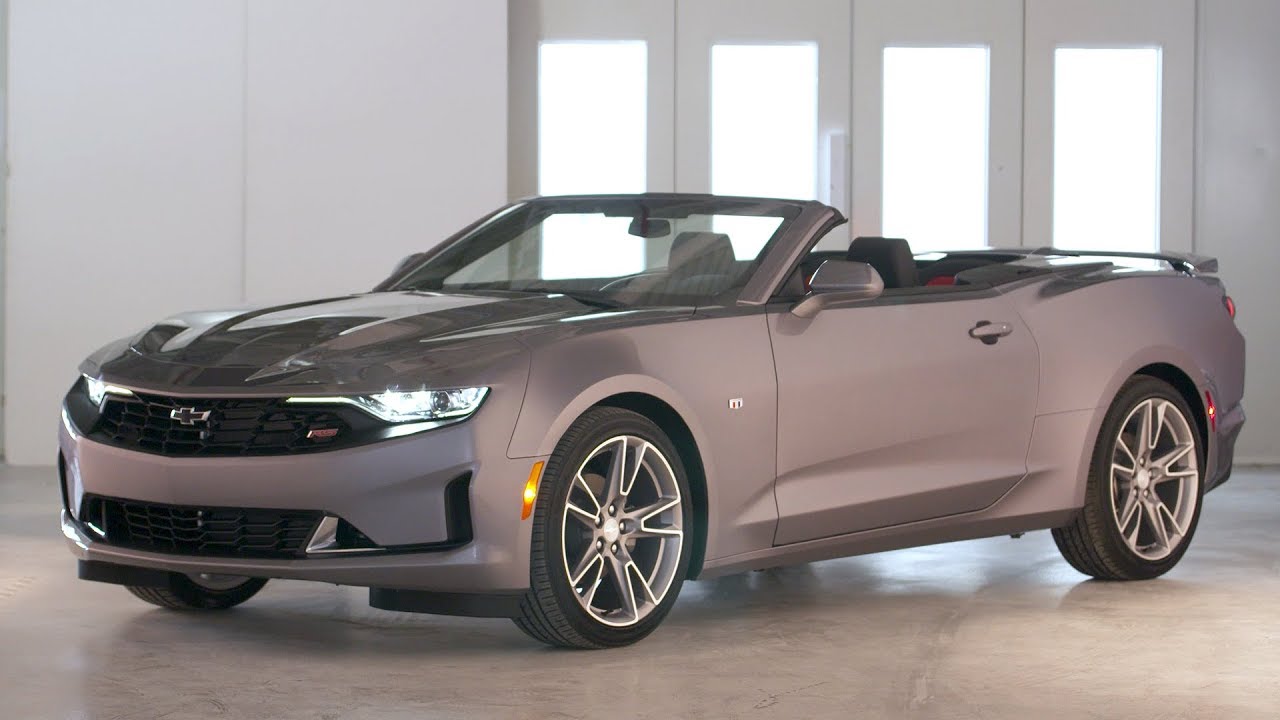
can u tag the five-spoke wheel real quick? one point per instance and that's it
(1142, 500)
(609, 551)
(623, 528)
(1154, 478)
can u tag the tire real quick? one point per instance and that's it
(185, 592)
(1112, 539)
(650, 541)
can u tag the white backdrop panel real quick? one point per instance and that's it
(125, 186)
(174, 156)
(375, 129)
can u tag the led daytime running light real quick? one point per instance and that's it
(99, 390)
(401, 406)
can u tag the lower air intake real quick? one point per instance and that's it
(207, 532)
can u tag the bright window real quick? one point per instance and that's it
(764, 130)
(936, 105)
(1106, 149)
(592, 138)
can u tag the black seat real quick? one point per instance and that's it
(700, 262)
(696, 253)
(891, 257)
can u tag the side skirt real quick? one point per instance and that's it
(928, 532)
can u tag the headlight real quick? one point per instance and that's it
(401, 406)
(99, 390)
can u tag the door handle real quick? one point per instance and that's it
(990, 333)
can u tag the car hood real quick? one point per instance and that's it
(355, 343)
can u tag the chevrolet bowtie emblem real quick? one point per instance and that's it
(189, 415)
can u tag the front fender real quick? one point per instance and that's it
(544, 420)
(695, 366)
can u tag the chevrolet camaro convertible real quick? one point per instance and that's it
(574, 405)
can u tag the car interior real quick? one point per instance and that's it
(705, 265)
(903, 272)
(699, 263)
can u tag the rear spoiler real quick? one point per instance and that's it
(1184, 262)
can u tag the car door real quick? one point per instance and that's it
(891, 412)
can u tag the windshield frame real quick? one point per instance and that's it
(797, 216)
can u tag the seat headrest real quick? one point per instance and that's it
(707, 249)
(891, 257)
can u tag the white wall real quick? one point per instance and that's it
(373, 127)
(1238, 192)
(125, 185)
(157, 150)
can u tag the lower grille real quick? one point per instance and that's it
(210, 532)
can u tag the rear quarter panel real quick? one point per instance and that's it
(1093, 334)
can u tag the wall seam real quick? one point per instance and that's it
(675, 97)
(1195, 125)
(5, 149)
(1022, 139)
(244, 157)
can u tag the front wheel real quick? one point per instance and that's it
(200, 592)
(1145, 487)
(609, 549)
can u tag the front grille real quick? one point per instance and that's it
(233, 426)
(210, 532)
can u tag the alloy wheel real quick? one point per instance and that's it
(622, 531)
(1155, 478)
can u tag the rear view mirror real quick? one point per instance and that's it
(649, 228)
(838, 282)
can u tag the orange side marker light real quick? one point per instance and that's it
(531, 490)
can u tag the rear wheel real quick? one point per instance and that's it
(609, 552)
(1145, 486)
(201, 591)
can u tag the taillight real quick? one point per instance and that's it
(1231, 305)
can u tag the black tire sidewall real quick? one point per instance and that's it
(1137, 390)
(594, 428)
(202, 598)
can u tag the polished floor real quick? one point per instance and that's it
(989, 629)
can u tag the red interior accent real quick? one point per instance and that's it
(942, 280)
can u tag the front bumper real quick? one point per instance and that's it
(393, 491)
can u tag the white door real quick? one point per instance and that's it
(592, 92)
(937, 122)
(763, 98)
(1110, 111)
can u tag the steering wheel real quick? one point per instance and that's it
(622, 282)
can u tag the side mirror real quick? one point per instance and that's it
(406, 263)
(838, 282)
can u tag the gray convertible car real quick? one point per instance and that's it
(574, 405)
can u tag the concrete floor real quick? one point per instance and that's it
(989, 629)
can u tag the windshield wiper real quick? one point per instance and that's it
(586, 297)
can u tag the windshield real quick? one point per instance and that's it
(612, 252)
